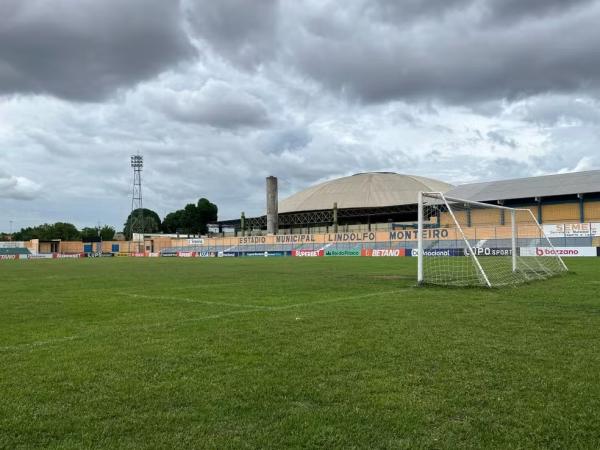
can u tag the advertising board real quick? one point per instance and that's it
(41, 256)
(186, 254)
(265, 254)
(343, 252)
(308, 253)
(383, 252)
(438, 252)
(489, 251)
(587, 229)
(561, 251)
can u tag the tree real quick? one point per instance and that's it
(151, 222)
(207, 212)
(192, 219)
(59, 230)
(172, 222)
(106, 233)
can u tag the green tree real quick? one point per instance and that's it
(207, 213)
(59, 230)
(172, 222)
(106, 233)
(151, 222)
(89, 234)
(192, 219)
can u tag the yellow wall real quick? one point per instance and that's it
(560, 213)
(592, 211)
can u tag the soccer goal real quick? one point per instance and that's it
(466, 243)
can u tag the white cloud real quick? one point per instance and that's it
(18, 188)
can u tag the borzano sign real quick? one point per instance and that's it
(560, 251)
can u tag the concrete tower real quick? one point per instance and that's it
(272, 200)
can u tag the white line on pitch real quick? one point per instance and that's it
(38, 343)
(250, 309)
(193, 300)
(295, 305)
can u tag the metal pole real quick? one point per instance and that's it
(513, 221)
(481, 271)
(420, 241)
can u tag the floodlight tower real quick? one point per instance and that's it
(137, 220)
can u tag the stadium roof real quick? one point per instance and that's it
(363, 190)
(544, 186)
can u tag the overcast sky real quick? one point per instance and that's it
(219, 94)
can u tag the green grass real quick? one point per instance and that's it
(274, 353)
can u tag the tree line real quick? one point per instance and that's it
(64, 231)
(192, 219)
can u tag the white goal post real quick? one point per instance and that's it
(467, 243)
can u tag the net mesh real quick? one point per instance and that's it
(471, 244)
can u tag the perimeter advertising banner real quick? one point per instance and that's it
(591, 229)
(437, 252)
(343, 252)
(265, 254)
(308, 253)
(561, 251)
(489, 251)
(383, 252)
(41, 256)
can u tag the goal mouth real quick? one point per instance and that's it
(464, 243)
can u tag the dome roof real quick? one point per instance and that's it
(363, 190)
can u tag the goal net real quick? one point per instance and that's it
(466, 243)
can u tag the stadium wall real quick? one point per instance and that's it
(562, 235)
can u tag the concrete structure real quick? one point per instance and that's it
(362, 190)
(272, 205)
(383, 200)
(560, 198)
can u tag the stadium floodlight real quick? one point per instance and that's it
(467, 243)
(137, 161)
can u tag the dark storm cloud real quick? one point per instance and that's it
(216, 104)
(459, 58)
(457, 51)
(506, 12)
(239, 30)
(211, 91)
(563, 109)
(500, 139)
(85, 49)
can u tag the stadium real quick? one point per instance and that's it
(333, 267)
(373, 201)
(368, 211)
(202, 341)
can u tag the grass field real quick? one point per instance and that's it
(273, 353)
